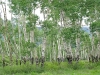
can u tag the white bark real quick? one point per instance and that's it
(54, 51)
(77, 46)
(35, 53)
(92, 43)
(43, 47)
(24, 28)
(32, 36)
(98, 49)
(19, 36)
(32, 41)
(59, 48)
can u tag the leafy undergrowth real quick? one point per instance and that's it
(53, 68)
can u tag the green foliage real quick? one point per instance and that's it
(96, 41)
(82, 67)
(70, 33)
(50, 28)
(22, 69)
(25, 6)
(67, 33)
(28, 46)
(31, 22)
(95, 26)
(51, 66)
(71, 11)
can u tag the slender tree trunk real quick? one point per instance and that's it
(43, 52)
(33, 56)
(19, 39)
(77, 48)
(59, 57)
(54, 51)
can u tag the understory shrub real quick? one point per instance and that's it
(22, 69)
(48, 66)
(51, 66)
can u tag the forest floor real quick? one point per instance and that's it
(80, 68)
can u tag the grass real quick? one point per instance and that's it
(81, 68)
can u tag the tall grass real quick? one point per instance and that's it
(52, 69)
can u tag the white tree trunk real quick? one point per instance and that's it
(77, 46)
(32, 36)
(43, 47)
(32, 41)
(59, 48)
(54, 52)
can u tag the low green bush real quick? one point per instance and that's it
(51, 66)
(48, 66)
(27, 68)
